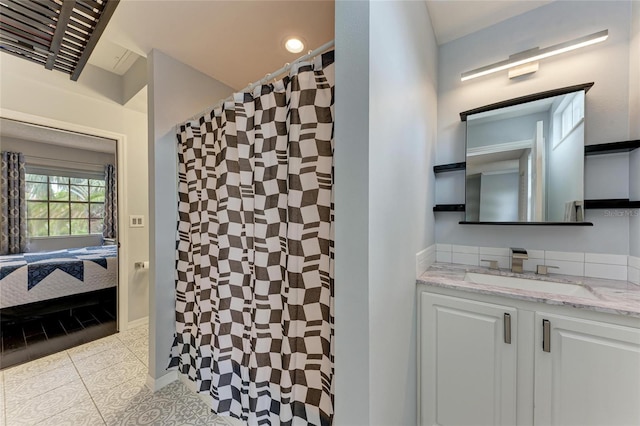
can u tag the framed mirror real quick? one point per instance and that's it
(525, 159)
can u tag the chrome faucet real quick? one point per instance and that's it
(518, 255)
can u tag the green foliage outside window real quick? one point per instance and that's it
(58, 205)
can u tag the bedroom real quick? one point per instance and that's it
(59, 264)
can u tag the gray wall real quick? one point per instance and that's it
(499, 197)
(351, 157)
(634, 74)
(176, 91)
(634, 220)
(523, 169)
(483, 133)
(402, 136)
(607, 110)
(472, 205)
(634, 127)
(385, 148)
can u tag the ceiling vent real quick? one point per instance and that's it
(58, 34)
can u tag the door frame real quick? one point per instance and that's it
(123, 259)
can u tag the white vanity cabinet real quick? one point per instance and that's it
(590, 374)
(468, 362)
(563, 366)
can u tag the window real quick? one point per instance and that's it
(569, 115)
(58, 205)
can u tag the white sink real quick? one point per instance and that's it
(565, 289)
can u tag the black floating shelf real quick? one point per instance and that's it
(449, 167)
(613, 203)
(612, 147)
(448, 208)
(529, 223)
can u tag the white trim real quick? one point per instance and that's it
(495, 166)
(499, 172)
(499, 147)
(123, 230)
(139, 322)
(156, 384)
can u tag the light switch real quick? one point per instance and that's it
(136, 221)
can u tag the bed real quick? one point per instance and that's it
(36, 277)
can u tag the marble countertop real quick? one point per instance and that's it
(616, 297)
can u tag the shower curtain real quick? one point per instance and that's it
(254, 285)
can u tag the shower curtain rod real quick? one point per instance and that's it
(270, 76)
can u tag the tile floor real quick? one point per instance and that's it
(99, 383)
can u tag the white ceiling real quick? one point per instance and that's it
(112, 57)
(235, 42)
(452, 19)
(239, 41)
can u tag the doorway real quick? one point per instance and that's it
(64, 288)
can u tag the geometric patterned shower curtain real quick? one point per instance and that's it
(110, 228)
(254, 284)
(13, 204)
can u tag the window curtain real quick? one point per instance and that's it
(110, 228)
(254, 285)
(13, 214)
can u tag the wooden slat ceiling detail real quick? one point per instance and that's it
(58, 34)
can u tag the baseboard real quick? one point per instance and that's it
(138, 322)
(160, 382)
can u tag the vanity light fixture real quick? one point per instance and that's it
(529, 57)
(294, 45)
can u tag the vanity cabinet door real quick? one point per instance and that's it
(468, 370)
(587, 374)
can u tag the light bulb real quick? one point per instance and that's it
(294, 45)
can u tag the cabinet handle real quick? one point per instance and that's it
(507, 328)
(546, 338)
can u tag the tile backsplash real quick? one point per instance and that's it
(597, 265)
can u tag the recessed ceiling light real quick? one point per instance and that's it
(294, 45)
